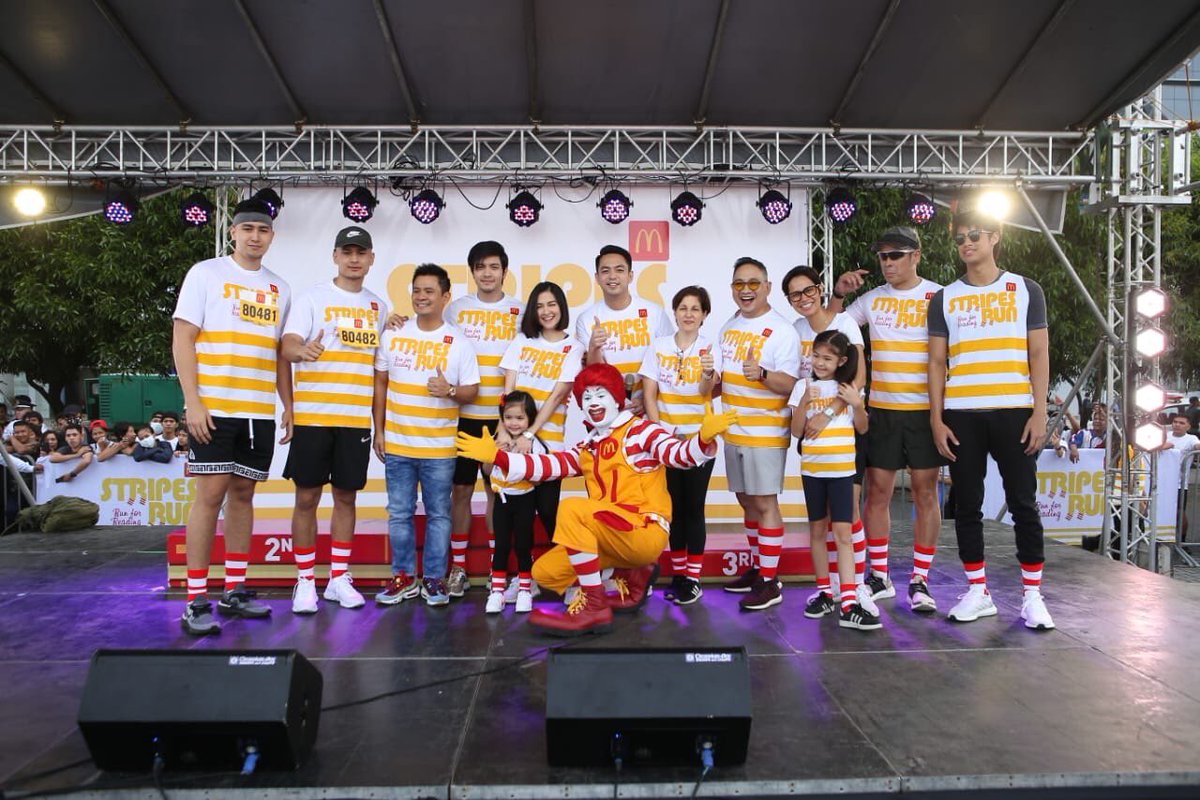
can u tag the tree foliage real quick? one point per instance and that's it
(1180, 249)
(86, 294)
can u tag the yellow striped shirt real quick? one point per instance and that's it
(490, 328)
(678, 374)
(540, 365)
(896, 321)
(764, 418)
(831, 454)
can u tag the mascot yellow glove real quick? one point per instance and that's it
(479, 448)
(713, 424)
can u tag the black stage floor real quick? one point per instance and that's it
(1108, 705)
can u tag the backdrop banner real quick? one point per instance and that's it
(128, 492)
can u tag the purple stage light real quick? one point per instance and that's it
(196, 211)
(921, 210)
(614, 206)
(686, 209)
(524, 209)
(359, 205)
(272, 199)
(841, 205)
(775, 208)
(426, 206)
(121, 208)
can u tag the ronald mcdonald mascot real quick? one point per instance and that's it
(624, 520)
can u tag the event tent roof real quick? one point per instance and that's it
(895, 64)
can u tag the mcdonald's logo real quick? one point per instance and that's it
(650, 241)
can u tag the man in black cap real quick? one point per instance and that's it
(900, 435)
(331, 335)
(22, 405)
(228, 323)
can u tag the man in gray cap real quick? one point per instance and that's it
(900, 435)
(228, 323)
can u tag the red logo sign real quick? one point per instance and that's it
(374, 306)
(1010, 287)
(608, 448)
(448, 339)
(642, 313)
(766, 332)
(929, 295)
(358, 323)
(649, 241)
(262, 298)
(514, 311)
(567, 349)
(274, 289)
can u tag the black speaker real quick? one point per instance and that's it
(200, 709)
(656, 706)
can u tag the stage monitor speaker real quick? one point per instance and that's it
(652, 705)
(200, 709)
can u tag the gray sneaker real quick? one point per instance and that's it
(457, 584)
(198, 619)
(434, 592)
(239, 602)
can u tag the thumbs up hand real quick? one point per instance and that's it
(599, 335)
(313, 348)
(438, 385)
(751, 369)
(714, 424)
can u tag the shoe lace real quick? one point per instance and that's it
(577, 605)
(622, 587)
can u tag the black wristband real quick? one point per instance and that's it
(836, 295)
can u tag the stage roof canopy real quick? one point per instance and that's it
(1021, 65)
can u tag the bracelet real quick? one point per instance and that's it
(836, 295)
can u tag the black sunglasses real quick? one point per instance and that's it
(893, 255)
(960, 239)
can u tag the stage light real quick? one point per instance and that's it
(921, 210)
(1150, 398)
(272, 199)
(121, 208)
(841, 205)
(1150, 436)
(29, 202)
(614, 206)
(1150, 303)
(686, 209)
(196, 211)
(1150, 343)
(774, 207)
(359, 205)
(524, 209)
(426, 206)
(995, 204)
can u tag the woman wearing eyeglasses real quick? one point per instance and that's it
(679, 373)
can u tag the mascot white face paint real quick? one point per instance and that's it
(600, 408)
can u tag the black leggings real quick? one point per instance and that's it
(547, 505)
(512, 522)
(689, 489)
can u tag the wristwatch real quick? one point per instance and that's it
(453, 391)
(828, 411)
(762, 375)
(528, 435)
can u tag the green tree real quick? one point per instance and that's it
(86, 294)
(1180, 249)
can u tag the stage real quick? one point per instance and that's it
(1108, 705)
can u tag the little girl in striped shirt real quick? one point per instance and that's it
(827, 465)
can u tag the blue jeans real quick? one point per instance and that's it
(436, 477)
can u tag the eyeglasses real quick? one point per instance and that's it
(807, 291)
(960, 239)
(893, 255)
(754, 284)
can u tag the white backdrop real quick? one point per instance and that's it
(561, 247)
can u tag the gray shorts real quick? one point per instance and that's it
(755, 470)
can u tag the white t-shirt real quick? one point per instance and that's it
(840, 322)
(678, 374)
(335, 391)
(764, 418)
(630, 331)
(1184, 444)
(490, 328)
(831, 453)
(240, 315)
(898, 323)
(540, 365)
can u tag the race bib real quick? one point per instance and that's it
(258, 313)
(366, 338)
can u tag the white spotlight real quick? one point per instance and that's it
(994, 203)
(1150, 303)
(1150, 398)
(1150, 343)
(29, 202)
(1150, 436)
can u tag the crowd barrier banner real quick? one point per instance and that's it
(128, 492)
(1071, 495)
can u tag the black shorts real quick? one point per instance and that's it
(900, 439)
(337, 456)
(860, 458)
(831, 498)
(466, 470)
(239, 446)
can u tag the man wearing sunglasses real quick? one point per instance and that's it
(990, 326)
(900, 436)
(761, 354)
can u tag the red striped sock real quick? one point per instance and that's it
(1031, 577)
(848, 598)
(197, 582)
(499, 581)
(975, 573)
(235, 569)
(524, 582)
(752, 538)
(770, 545)
(695, 565)
(305, 558)
(339, 559)
(823, 586)
(858, 541)
(678, 562)
(458, 548)
(922, 561)
(877, 552)
(587, 566)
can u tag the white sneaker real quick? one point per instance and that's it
(514, 585)
(1033, 611)
(974, 604)
(341, 590)
(524, 602)
(863, 595)
(495, 602)
(570, 594)
(304, 597)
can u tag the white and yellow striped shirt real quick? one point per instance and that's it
(240, 315)
(987, 332)
(678, 374)
(540, 365)
(490, 328)
(631, 331)
(335, 391)
(418, 425)
(764, 418)
(896, 320)
(804, 329)
(831, 454)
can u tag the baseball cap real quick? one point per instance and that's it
(900, 236)
(353, 235)
(98, 423)
(22, 401)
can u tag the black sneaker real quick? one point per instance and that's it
(858, 617)
(198, 619)
(766, 593)
(744, 582)
(919, 598)
(690, 593)
(881, 587)
(819, 606)
(675, 588)
(239, 602)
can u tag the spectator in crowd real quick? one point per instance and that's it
(121, 441)
(99, 432)
(24, 448)
(1193, 414)
(22, 405)
(149, 448)
(1092, 438)
(170, 428)
(181, 444)
(50, 442)
(61, 421)
(4, 414)
(35, 419)
(73, 448)
(1180, 438)
(24, 442)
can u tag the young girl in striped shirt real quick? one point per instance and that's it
(827, 466)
